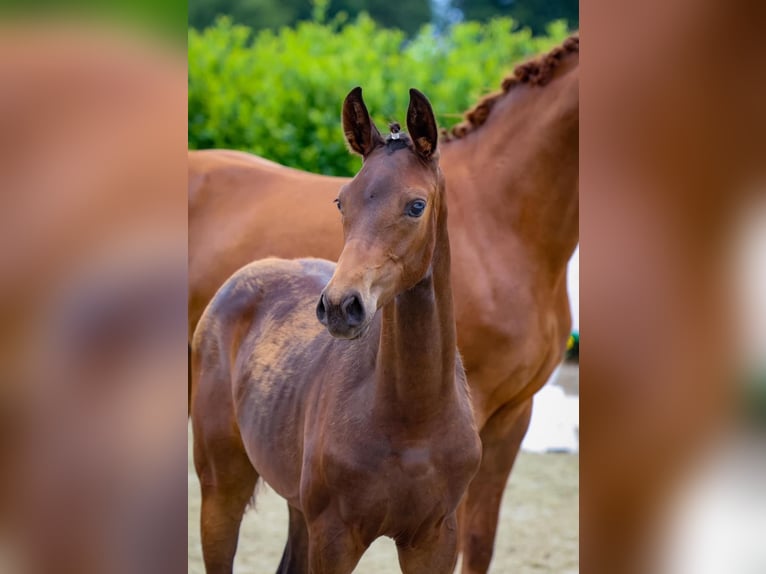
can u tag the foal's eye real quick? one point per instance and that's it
(416, 208)
(337, 202)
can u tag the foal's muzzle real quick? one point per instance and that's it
(344, 318)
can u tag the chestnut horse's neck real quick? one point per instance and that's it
(415, 372)
(519, 168)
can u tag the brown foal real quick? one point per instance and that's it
(363, 423)
(511, 172)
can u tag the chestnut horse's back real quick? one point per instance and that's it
(225, 221)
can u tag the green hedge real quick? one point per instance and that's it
(279, 95)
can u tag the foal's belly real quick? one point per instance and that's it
(272, 406)
(274, 375)
(270, 421)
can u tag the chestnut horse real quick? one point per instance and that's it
(511, 171)
(365, 427)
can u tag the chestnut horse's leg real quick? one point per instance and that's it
(333, 547)
(500, 439)
(435, 555)
(295, 558)
(189, 384)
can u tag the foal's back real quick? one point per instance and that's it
(260, 333)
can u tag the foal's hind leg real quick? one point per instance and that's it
(227, 485)
(227, 480)
(295, 558)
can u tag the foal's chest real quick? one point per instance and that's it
(394, 488)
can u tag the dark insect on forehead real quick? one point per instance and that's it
(382, 185)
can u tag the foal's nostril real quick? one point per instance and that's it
(322, 310)
(353, 310)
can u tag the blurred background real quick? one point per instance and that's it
(92, 287)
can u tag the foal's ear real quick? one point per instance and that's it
(421, 125)
(361, 134)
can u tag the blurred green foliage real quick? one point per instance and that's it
(408, 16)
(532, 13)
(279, 94)
(260, 14)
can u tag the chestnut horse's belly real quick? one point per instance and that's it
(508, 361)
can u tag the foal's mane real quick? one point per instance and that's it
(537, 72)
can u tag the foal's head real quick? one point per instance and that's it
(389, 213)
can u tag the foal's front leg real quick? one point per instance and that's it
(296, 554)
(434, 554)
(333, 547)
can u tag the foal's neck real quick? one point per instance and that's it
(415, 372)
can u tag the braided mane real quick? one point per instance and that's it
(537, 72)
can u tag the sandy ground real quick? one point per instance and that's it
(538, 530)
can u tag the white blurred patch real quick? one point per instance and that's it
(555, 423)
(718, 526)
(573, 288)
